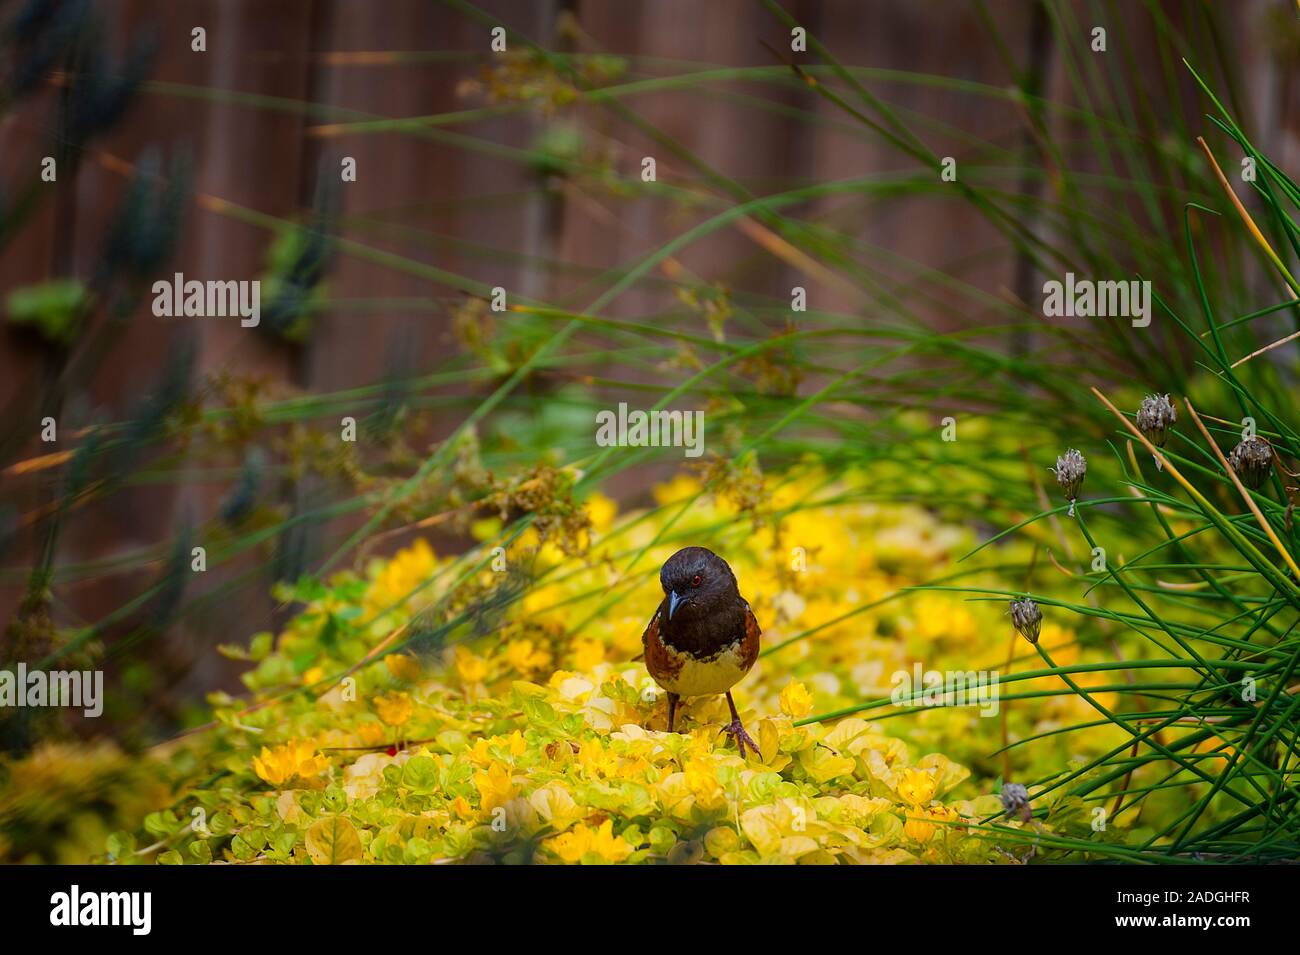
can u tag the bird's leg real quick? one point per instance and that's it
(737, 730)
(672, 710)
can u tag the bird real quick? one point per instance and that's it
(704, 638)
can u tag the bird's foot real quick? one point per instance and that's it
(735, 730)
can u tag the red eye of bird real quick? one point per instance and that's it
(695, 581)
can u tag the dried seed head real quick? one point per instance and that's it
(1154, 418)
(1252, 459)
(147, 226)
(1015, 800)
(1026, 618)
(1070, 469)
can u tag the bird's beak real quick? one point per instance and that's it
(674, 599)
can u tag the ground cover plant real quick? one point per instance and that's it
(1023, 552)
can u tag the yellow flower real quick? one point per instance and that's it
(296, 758)
(472, 669)
(596, 760)
(371, 733)
(627, 637)
(573, 846)
(588, 654)
(495, 787)
(702, 781)
(313, 675)
(602, 510)
(394, 708)
(609, 847)
(399, 579)
(795, 700)
(938, 618)
(920, 823)
(514, 743)
(402, 666)
(678, 489)
(916, 826)
(523, 656)
(917, 787)
(517, 743)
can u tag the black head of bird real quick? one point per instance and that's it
(696, 583)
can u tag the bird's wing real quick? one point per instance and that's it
(661, 664)
(651, 634)
(749, 643)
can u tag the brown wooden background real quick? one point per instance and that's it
(265, 159)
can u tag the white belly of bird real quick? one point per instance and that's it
(707, 678)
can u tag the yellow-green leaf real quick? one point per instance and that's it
(333, 841)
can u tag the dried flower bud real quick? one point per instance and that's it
(308, 252)
(1026, 618)
(241, 499)
(42, 33)
(1015, 800)
(102, 90)
(147, 226)
(1070, 469)
(1154, 418)
(1252, 459)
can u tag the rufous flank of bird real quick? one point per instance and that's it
(703, 638)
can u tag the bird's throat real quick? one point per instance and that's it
(701, 631)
